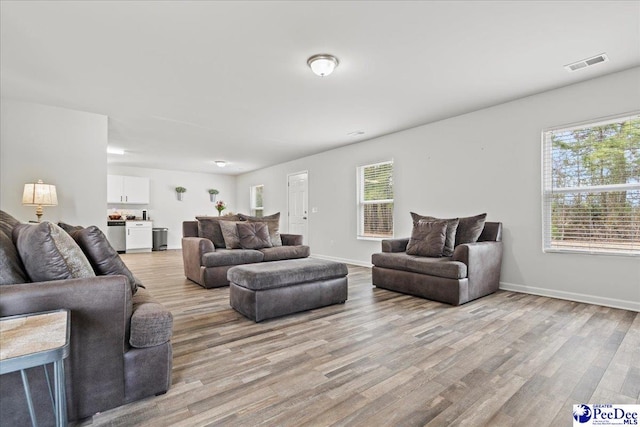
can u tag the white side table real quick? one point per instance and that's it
(37, 339)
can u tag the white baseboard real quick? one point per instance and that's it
(572, 296)
(344, 260)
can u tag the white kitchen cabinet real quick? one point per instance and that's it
(127, 189)
(139, 236)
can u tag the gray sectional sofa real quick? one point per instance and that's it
(470, 272)
(120, 348)
(207, 258)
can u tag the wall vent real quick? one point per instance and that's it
(579, 65)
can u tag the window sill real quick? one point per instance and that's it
(589, 252)
(373, 239)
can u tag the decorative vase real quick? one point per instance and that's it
(212, 197)
(179, 196)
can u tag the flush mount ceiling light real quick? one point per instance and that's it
(220, 163)
(356, 133)
(113, 150)
(322, 64)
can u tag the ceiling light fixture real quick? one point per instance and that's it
(356, 133)
(221, 163)
(322, 64)
(112, 150)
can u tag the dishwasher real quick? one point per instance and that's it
(117, 235)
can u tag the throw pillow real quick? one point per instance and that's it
(427, 238)
(272, 221)
(254, 235)
(103, 258)
(452, 226)
(69, 228)
(470, 229)
(49, 253)
(7, 222)
(230, 233)
(11, 268)
(209, 228)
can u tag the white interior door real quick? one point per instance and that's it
(298, 204)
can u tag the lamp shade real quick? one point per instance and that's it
(323, 64)
(39, 193)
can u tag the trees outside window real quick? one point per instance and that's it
(591, 194)
(257, 204)
(375, 200)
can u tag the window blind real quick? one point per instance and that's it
(591, 188)
(257, 207)
(375, 200)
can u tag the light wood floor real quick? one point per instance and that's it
(384, 358)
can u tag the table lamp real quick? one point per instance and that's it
(39, 194)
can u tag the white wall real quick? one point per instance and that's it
(485, 161)
(164, 208)
(62, 147)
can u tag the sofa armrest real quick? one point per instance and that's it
(484, 261)
(394, 245)
(291, 239)
(192, 250)
(151, 322)
(100, 310)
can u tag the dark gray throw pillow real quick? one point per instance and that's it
(11, 268)
(272, 221)
(209, 228)
(452, 226)
(7, 222)
(470, 228)
(49, 253)
(69, 228)
(103, 258)
(427, 238)
(254, 235)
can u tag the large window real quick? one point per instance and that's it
(375, 200)
(257, 204)
(592, 187)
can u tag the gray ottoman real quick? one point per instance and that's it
(271, 289)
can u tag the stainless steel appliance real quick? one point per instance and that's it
(117, 235)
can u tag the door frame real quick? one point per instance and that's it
(306, 171)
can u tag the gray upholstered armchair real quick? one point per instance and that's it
(472, 272)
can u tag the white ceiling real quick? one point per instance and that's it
(187, 83)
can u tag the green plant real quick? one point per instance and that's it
(213, 191)
(181, 190)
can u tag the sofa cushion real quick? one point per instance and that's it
(427, 238)
(470, 229)
(11, 268)
(271, 275)
(253, 235)
(49, 253)
(452, 226)
(440, 267)
(272, 221)
(209, 228)
(222, 257)
(151, 322)
(230, 233)
(103, 258)
(279, 253)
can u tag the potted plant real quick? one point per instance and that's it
(180, 191)
(220, 206)
(212, 194)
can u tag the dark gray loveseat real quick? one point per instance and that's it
(471, 272)
(207, 265)
(119, 345)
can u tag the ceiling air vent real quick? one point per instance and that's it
(587, 62)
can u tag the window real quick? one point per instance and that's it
(591, 197)
(375, 200)
(257, 205)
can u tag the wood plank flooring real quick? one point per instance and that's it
(383, 358)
